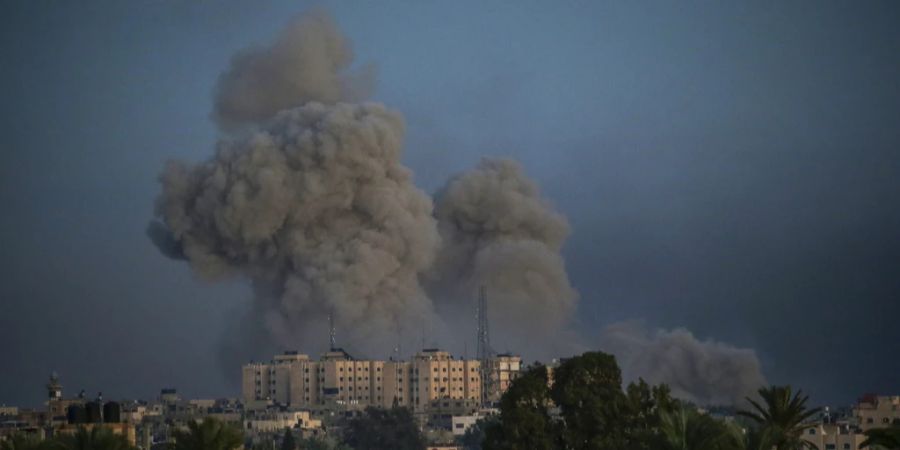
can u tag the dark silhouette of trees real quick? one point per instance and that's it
(384, 429)
(585, 408)
(684, 428)
(288, 442)
(209, 434)
(883, 438)
(781, 416)
(96, 438)
(525, 418)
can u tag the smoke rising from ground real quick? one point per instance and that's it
(312, 204)
(499, 232)
(705, 372)
(317, 211)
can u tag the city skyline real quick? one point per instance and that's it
(721, 178)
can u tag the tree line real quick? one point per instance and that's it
(584, 407)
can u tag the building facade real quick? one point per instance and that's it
(872, 411)
(828, 436)
(432, 380)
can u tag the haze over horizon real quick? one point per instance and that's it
(728, 169)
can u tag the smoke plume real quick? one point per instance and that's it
(499, 232)
(311, 204)
(309, 61)
(705, 372)
(317, 211)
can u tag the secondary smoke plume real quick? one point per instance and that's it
(311, 203)
(706, 372)
(500, 232)
(309, 61)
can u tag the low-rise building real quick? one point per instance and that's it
(831, 436)
(874, 411)
(276, 421)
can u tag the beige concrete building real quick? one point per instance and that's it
(833, 436)
(278, 421)
(874, 411)
(124, 429)
(432, 380)
(505, 369)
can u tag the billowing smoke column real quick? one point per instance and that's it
(309, 61)
(705, 372)
(306, 197)
(313, 205)
(500, 232)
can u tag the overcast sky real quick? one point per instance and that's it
(733, 169)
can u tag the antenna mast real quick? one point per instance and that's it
(485, 353)
(331, 333)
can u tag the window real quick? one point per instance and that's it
(886, 420)
(829, 447)
(812, 431)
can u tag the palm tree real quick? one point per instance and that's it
(687, 429)
(210, 434)
(782, 417)
(888, 438)
(95, 438)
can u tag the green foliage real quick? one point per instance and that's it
(474, 436)
(585, 409)
(642, 411)
(781, 415)
(97, 438)
(210, 434)
(384, 429)
(287, 442)
(886, 438)
(22, 441)
(686, 429)
(264, 445)
(595, 412)
(525, 418)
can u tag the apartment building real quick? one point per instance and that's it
(431, 380)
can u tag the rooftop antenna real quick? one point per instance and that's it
(484, 352)
(331, 334)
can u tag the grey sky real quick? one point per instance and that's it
(733, 169)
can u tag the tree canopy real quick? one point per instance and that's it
(384, 429)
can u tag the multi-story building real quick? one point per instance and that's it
(433, 379)
(872, 411)
(505, 369)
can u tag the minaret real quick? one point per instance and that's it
(54, 389)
